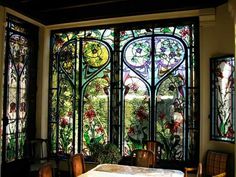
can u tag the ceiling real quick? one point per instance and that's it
(51, 12)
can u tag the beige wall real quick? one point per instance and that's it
(42, 82)
(217, 37)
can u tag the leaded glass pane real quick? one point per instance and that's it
(125, 36)
(222, 99)
(96, 91)
(171, 114)
(81, 92)
(185, 34)
(19, 99)
(131, 85)
(169, 52)
(95, 112)
(53, 138)
(164, 69)
(108, 36)
(17, 108)
(95, 34)
(142, 32)
(65, 116)
(138, 57)
(136, 111)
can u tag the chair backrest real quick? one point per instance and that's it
(216, 162)
(156, 147)
(77, 164)
(38, 150)
(143, 158)
(46, 170)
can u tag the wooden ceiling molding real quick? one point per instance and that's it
(49, 12)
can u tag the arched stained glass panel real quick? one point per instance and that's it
(96, 112)
(96, 91)
(80, 89)
(136, 111)
(169, 52)
(158, 58)
(65, 98)
(170, 93)
(133, 83)
(19, 99)
(95, 55)
(138, 57)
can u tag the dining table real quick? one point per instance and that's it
(116, 170)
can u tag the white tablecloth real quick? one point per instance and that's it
(114, 170)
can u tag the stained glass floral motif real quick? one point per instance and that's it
(17, 82)
(169, 53)
(136, 112)
(95, 54)
(170, 113)
(151, 82)
(222, 99)
(156, 64)
(83, 76)
(66, 117)
(64, 100)
(138, 56)
(16, 89)
(95, 118)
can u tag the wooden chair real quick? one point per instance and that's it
(38, 155)
(77, 164)
(143, 158)
(46, 170)
(215, 165)
(156, 147)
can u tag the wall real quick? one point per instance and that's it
(215, 39)
(232, 9)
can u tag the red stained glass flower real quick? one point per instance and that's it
(131, 130)
(64, 122)
(141, 113)
(162, 115)
(122, 33)
(230, 132)
(100, 130)
(69, 113)
(185, 32)
(90, 114)
(173, 126)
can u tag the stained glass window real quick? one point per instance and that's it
(80, 89)
(222, 98)
(158, 96)
(129, 85)
(20, 69)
